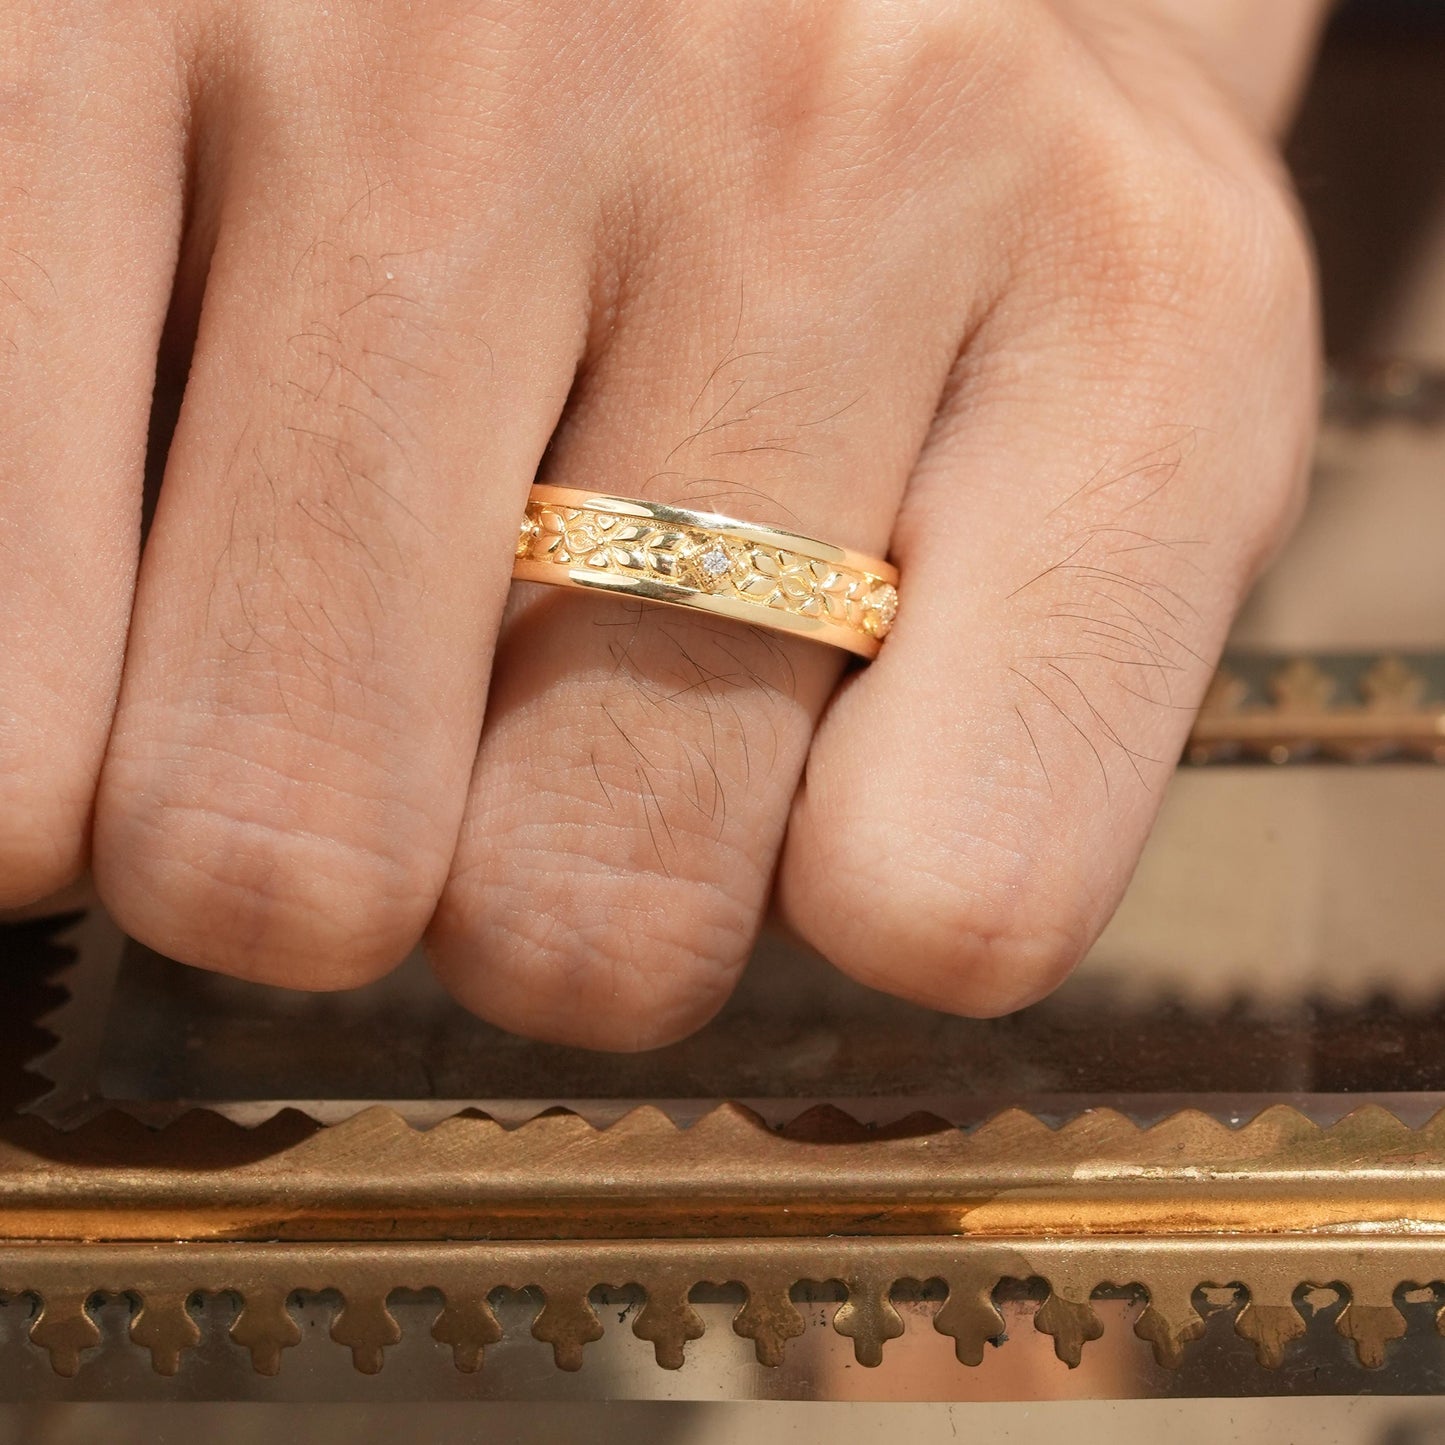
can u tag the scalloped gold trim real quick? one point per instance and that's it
(1260, 1278)
(1306, 714)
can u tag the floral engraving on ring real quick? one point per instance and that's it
(704, 561)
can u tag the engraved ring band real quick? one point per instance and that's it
(750, 573)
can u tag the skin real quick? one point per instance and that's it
(1012, 291)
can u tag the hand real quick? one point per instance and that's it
(1007, 289)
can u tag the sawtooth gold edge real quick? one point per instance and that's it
(727, 1176)
(1259, 1279)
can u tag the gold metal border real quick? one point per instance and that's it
(373, 1205)
(1263, 1278)
(1304, 717)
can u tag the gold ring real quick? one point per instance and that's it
(741, 570)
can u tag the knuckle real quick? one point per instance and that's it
(1249, 252)
(1142, 218)
(1002, 971)
(1182, 270)
(48, 766)
(594, 969)
(245, 894)
(950, 955)
(1258, 274)
(42, 836)
(25, 87)
(864, 102)
(929, 936)
(1282, 253)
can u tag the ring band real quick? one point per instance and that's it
(750, 573)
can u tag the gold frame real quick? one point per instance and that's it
(1304, 717)
(373, 1205)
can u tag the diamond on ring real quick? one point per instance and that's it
(715, 563)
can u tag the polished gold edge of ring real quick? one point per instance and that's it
(750, 573)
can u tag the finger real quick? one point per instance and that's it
(376, 374)
(74, 898)
(635, 773)
(1090, 507)
(91, 146)
(1258, 53)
